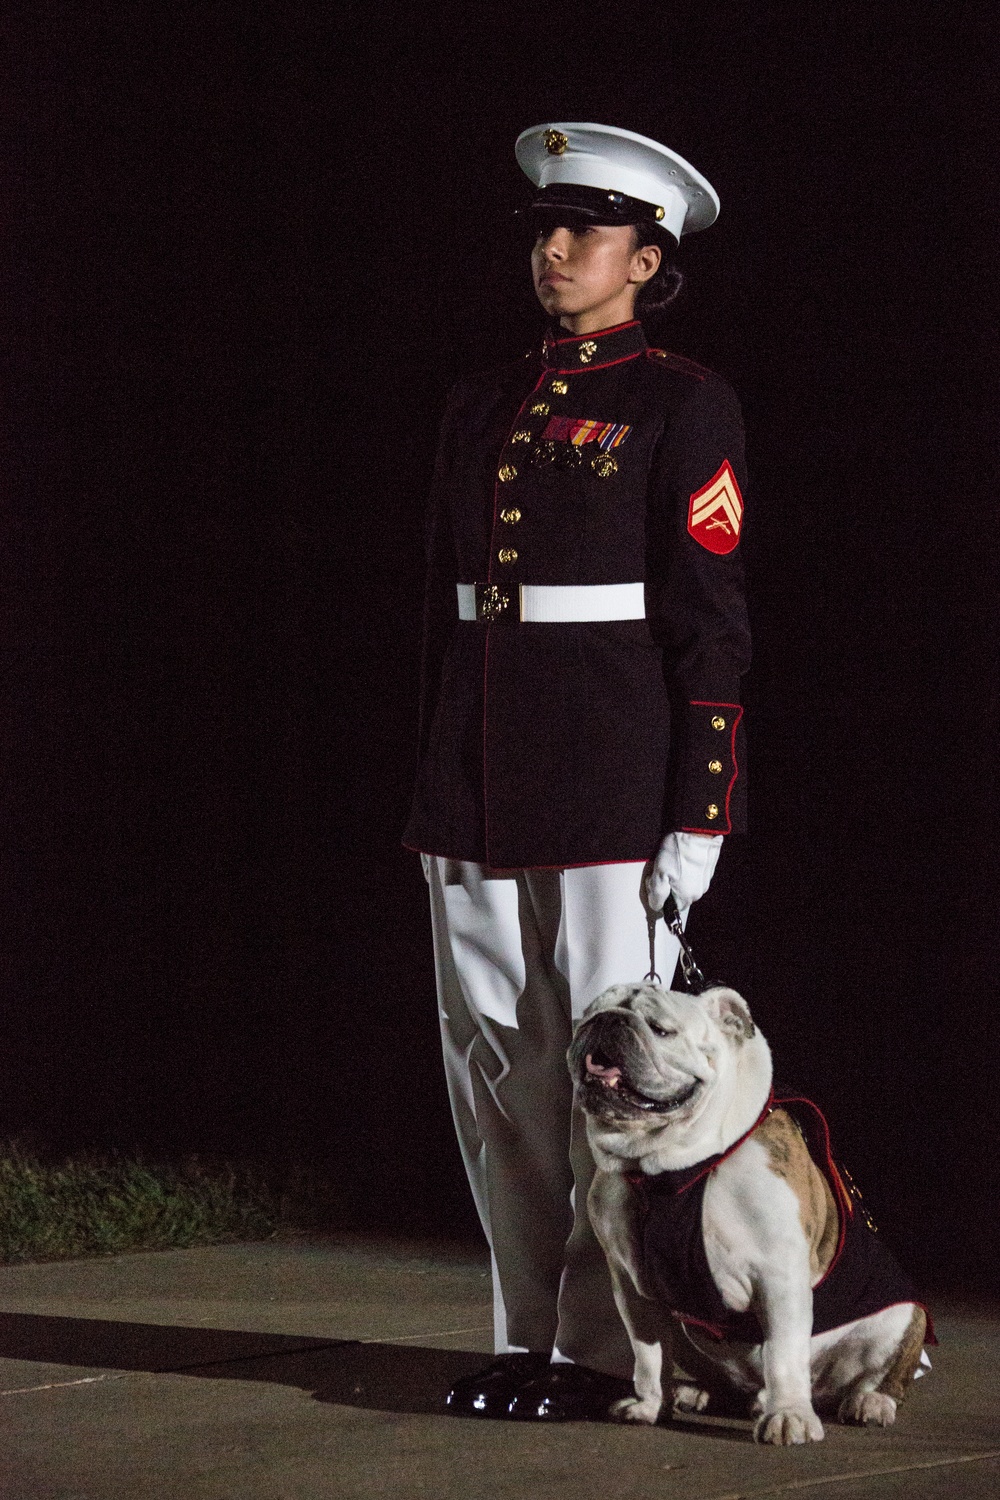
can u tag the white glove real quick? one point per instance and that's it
(685, 865)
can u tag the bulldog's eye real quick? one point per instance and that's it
(661, 1030)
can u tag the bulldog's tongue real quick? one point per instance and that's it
(610, 1076)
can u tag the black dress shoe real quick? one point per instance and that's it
(568, 1393)
(489, 1392)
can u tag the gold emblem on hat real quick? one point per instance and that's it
(587, 352)
(604, 465)
(658, 215)
(555, 142)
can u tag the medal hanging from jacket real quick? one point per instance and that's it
(694, 980)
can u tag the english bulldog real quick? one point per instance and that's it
(725, 1222)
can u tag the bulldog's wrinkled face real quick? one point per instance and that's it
(646, 1055)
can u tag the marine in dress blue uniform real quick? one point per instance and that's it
(584, 637)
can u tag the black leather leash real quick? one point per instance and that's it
(694, 980)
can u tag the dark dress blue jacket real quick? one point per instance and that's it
(597, 460)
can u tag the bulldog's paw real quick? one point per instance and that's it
(690, 1397)
(869, 1408)
(644, 1409)
(788, 1425)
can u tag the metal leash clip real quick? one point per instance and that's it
(693, 977)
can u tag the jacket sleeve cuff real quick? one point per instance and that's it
(710, 783)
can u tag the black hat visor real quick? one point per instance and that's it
(566, 200)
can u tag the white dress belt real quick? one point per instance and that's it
(542, 603)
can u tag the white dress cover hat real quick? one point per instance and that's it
(629, 172)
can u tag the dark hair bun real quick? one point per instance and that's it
(656, 294)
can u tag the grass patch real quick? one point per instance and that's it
(108, 1204)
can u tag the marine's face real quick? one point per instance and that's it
(590, 271)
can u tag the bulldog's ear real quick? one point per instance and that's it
(731, 1012)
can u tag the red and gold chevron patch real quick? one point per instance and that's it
(715, 514)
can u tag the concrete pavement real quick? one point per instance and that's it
(316, 1369)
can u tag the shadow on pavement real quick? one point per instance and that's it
(386, 1377)
(400, 1378)
(95, 1343)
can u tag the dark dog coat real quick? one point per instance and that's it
(862, 1278)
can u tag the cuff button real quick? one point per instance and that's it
(711, 812)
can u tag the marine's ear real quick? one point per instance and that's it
(731, 1012)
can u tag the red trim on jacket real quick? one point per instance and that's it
(680, 362)
(489, 579)
(579, 338)
(587, 369)
(738, 710)
(736, 769)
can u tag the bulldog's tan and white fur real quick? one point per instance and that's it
(666, 1081)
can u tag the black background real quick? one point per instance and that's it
(248, 256)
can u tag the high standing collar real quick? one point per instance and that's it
(593, 351)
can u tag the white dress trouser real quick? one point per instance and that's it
(519, 955)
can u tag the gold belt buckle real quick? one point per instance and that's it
(493, 603)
